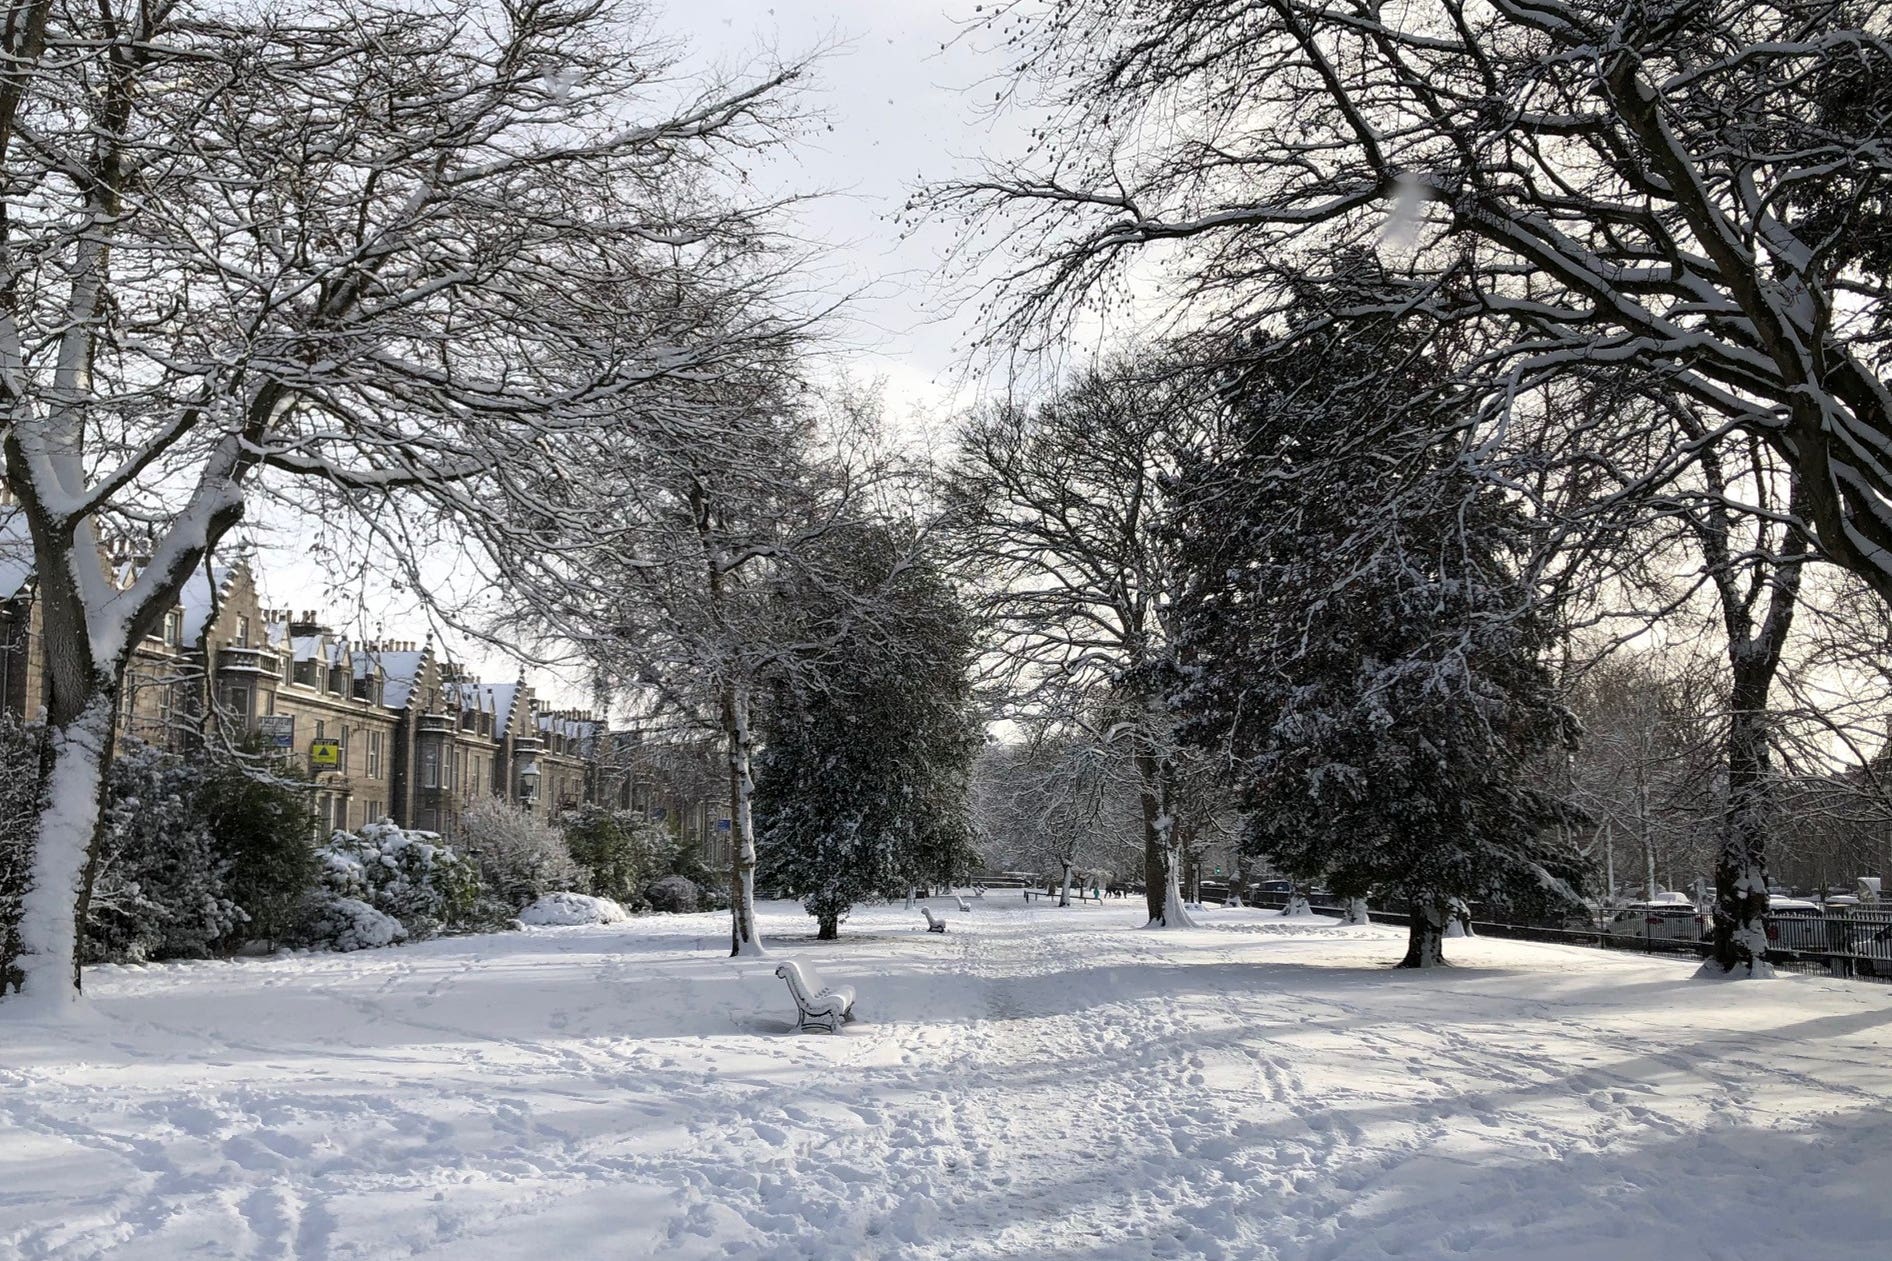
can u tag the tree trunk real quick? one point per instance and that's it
(1064, 891)
(1155, 858)
(65, 854)
(1356, 912)
(1741, 864)
(1425, 940)
(81, 706)
(743, 939)
(828, 926)
(1175, 913)
(1162, 865)
(1754, 657)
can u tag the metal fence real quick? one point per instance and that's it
(1847, 941)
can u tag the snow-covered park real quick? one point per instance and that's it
(1035, 1083)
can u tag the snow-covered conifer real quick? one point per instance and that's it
(863, 781)
(1355, 637)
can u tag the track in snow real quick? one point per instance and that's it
(1037, 1083)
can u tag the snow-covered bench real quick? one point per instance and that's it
(818, 1006)
(964, 905)
(934, 924)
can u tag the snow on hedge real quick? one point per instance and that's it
(554, 909)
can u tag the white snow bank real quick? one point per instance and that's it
(554, 909)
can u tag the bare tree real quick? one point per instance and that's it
(1645, 773)
(355, 246)
(671, 557)
(1062, 804)
(1701, 190)
(1061, 510)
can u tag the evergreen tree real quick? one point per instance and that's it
(862, 786)
(1356, 637)
(260, 822)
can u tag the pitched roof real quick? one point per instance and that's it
(400, 670)
(199, 597)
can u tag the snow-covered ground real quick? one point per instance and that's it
(1037, 1083)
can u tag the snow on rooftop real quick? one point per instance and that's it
(16, 551)
(400, 668)
(504, 695)
(198, 598)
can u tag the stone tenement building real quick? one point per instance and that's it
(384, 730)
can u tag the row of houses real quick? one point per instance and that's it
(384, 730)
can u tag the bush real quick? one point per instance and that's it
(672, 893)
(410, 876)
(332, 922)
(619, 850)
(19, 815)
(519, 855)
(259, 821)
(160, 890)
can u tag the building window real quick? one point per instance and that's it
(321, 729)
(173, 628)
(243, 632)
(237, 701)
(430, 765)
(374, 755)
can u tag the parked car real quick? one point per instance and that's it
(1658, 921)
(1796, 926)
(1274, 886)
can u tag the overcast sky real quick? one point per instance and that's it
(897, 99)
(897, 106)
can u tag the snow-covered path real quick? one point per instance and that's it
(1036, 1083)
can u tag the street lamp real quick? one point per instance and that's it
(529, 782)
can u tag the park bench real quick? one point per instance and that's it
(819, 1006)
(964, 905)
(934, 924)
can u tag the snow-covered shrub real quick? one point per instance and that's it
(554, 909)
(519, 855)
(408, 875)
(672, 893)
(19, 813)
(332, 922)
(160, 890)
(619, 851)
